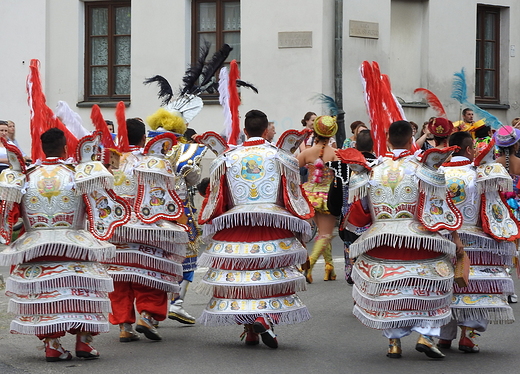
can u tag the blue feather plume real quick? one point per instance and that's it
(460, 93)
(459, 90)
(329, 102)
(490, 119)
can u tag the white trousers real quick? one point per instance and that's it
(449, 331)
(401, 332)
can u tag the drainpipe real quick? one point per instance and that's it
(338, 70)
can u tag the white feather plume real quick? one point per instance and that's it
(223, 89)
(71, 120)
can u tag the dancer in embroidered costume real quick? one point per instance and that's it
(253, 212)
(177, 110)
(487, 233)
(507, 140)
(186, 158)
(403, 273)
(316, 158)
(150, 249)
(56, 284)
(508, 143)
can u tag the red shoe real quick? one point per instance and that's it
(262, 327)
(83, 347)
(54, 351)
(467, 343)
(252, 337)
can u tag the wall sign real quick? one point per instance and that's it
(295, 39)
(360, 29)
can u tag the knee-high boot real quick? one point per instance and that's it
(330, 274)
(317, 250)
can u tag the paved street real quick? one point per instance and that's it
(333, 341)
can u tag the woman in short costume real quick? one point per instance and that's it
(317, 188)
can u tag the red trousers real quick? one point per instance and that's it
(147, 299)
(61, 334)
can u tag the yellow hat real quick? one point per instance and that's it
(169, 121)
(325, 126)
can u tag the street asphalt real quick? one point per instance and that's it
(333, 341)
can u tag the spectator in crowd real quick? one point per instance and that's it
(4, 162)
(11, 130)
(270, 132)
(425, 140)
(355, 127)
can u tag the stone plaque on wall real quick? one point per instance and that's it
(295, 39)
(360, 29)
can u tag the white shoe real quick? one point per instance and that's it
(178, 313)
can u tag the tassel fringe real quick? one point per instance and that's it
(358, 193)
(479, 257)
(493, 286)
(8, 258)
(500, 315)
(373, 288)
(251, 291)
(150, 262)
(169, 240)
(500, 184)
(11, 194)
(437, 244)
(264, 262)
(146, 281)
(483, 243)
(290, 223)
(62, 306)
(66, 281)
(403, 303)
(428, 188)
(90, 326)
(152, 177)
(383, 324)
(87, 186)
(285, 318)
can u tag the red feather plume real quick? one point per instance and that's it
(382, 106)
(378, 119)
(101, 126)
(433, 101)
(392, 107)
(234, 102)
(42, 117)
(122, 130)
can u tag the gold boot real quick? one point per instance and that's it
(317, 250)
(308, 272)
(330, 274)
(394, 348)
(426, 345)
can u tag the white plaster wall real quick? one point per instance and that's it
(451, 46)
(407, 26)
(62, 71)
(22, 37)
(158, 48)
(287, 78)
(356, 50)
